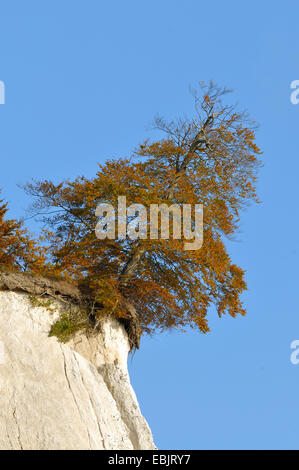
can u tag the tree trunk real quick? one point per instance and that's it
(131, 266)
(132, 323)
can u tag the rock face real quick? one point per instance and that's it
(56, 396)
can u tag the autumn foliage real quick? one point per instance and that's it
(210, 159)
(18, 250)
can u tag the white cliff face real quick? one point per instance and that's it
(56, 396)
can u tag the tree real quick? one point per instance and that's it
(151, 284)
(18, 251)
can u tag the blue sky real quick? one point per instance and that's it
(83, 81)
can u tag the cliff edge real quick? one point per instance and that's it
(57, 396)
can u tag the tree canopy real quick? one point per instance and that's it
(151, 284)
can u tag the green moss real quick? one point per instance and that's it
(68, 323)
(37, 302)
(65, 328)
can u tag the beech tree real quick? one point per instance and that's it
(210, 159)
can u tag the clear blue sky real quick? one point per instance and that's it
(83, 82)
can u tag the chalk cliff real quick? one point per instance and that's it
(57, 396)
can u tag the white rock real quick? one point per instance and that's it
(55, 396)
